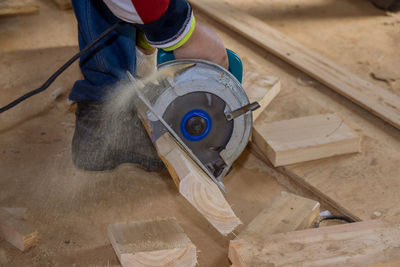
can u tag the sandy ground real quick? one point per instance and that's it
(71, 208)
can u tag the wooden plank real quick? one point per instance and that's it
(16, 231)
(18, 7)
(288, 212)
(373, 98)
(196, 186)
(63, 4)
(355, 244)
(160, 242)
(262, 89)
(304, 139)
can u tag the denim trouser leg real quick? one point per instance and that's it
(108, 61)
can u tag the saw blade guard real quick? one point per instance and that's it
(201, 94)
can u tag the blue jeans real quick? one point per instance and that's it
(107, 62)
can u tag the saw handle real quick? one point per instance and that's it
(235, 63)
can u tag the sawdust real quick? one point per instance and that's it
(72, 208)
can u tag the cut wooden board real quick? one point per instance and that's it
(288, 212)
(355, 244)
(160, 242)
(16, 231)
(262, 89)
(196, 186)
(373, 98)
(17, 7)
(306, 138)
(63, 4)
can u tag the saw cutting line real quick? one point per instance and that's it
(185, 147)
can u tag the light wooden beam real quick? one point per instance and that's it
(196, 186)
(159, 242)
(306, 138)
(373, 98)
(354, 244)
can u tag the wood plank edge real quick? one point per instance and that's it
(269, 97)
(352, 146)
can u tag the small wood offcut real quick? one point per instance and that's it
(159, 242)
(15, 230)
(304, 139)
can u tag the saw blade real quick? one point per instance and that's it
(199, 120)
(174, 134)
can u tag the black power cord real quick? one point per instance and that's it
(335, 217)
(47, 83)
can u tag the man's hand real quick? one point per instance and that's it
(203, 44)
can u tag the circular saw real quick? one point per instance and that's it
(204, 107)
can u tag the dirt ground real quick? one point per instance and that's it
(71, 208)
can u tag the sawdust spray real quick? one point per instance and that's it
(81, 185)
(119, 133)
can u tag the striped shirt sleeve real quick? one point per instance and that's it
(166, 24)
